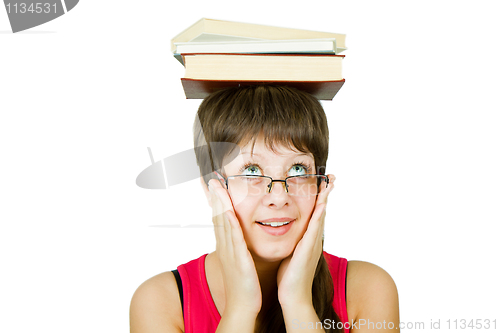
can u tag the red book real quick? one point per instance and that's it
(318, 74)
(199, 89)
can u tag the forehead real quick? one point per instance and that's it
(259, 149)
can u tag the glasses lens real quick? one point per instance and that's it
(304, 186)
(248, 186)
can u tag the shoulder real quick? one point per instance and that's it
(156, 306)
(371, 293)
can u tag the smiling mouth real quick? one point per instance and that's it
(274, 224)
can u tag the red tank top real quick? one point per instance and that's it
(201, 314)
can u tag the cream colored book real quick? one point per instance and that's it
(209, 30)
(263, 67)
(316, 45)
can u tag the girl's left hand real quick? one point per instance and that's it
(296, 272)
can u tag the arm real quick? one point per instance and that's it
(232, 321)
(302, 318)
(156, 306)
(372, 297)
(241, 284)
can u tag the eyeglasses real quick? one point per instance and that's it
(254, 186)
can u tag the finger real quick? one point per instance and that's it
(221, 192)
(228, 232)
(233, 234)
(217, 206)
(228, 220)
(318, 217)
(237, 238)
(237, 233)
(225, 205)
(316, 226)
(228, 237)
(324, 190)
(217, 216)
(322, 200)
(321, 234)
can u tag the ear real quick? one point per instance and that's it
(207, 192)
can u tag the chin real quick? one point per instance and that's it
(272, 252)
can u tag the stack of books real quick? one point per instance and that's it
(221, 54)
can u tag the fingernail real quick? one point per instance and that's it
(210, 188)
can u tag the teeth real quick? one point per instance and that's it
(275, 224)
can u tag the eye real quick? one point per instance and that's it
(297, 170)
(252, 170)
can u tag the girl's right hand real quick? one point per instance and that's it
(241, 283)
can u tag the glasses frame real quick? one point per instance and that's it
(270, 186)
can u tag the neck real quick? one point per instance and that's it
(267, 273)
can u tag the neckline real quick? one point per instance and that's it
(206, 289)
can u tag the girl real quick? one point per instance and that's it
(269, 272)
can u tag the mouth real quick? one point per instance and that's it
(273, 224)
(277, 226)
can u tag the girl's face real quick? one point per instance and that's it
(265, 242)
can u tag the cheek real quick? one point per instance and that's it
(306, 207)
(244, 209)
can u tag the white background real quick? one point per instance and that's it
(414, 146)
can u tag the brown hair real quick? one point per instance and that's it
(285, 116)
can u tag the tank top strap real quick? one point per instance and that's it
(200, 312)
(338, 270)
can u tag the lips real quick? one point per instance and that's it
(277, 230)
(276, 219)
